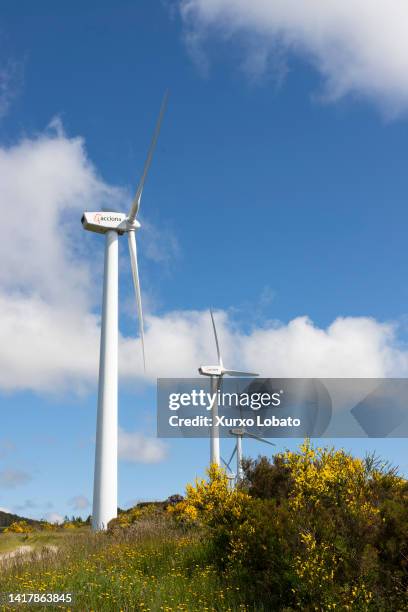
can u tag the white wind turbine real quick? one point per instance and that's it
(113, 225)
(240, 433)
(216, 373)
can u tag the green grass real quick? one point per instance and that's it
(150, 566)
(10, 541)
(36, 539)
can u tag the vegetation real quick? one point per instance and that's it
(17, 524)
(35, 540)
(6, 518)
(19, 527)
(314, 530)
(152, 564)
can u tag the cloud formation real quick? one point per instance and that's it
(49, 332)
(10, 478)
(135, 447)
(46, 288)
(359, 47)
(79, 502)
(54, 517)
(177, 343)
(45, 184)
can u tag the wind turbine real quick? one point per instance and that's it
(113, 225)
(216, 373)
(240, 433)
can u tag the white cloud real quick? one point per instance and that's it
(80, 502)
(359, 47)
(349, 347)
(137, 448)
(50, 277)
(45, 184)
(46, 347)
(2, 509)
(54, 517)
(177, 343)
(10, 478)
(49, 335)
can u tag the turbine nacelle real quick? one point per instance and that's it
(219, 370)
(211, 370)
(237, 431)
(101, 222)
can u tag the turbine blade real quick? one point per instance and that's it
(251, 435)
(224, 462)
(238, 373)
(136, 283)
(216, 340)
(136, 201)
(232, 456)
(227, 465)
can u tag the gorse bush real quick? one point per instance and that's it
(23, 526)
(19, 527)
(134, 515)
(312, 530)
(211, 501)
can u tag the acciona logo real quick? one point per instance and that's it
(99, 218)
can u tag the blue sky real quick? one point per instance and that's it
(278, 192)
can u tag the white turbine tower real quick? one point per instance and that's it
(113, 225)
(216, 373)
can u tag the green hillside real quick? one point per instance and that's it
(6, 519)
(312, 530)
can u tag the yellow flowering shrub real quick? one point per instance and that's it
(46, 526)
(137, 514)
(211, 502)
(18, 527)
(315, 529)
(329, 477)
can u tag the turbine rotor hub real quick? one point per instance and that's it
(132, 225)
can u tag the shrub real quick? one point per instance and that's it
(18, 527)
(265, 479)
(313, 530)
(46, 526)
(174, 499)
(144, 512)
(211, 502)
